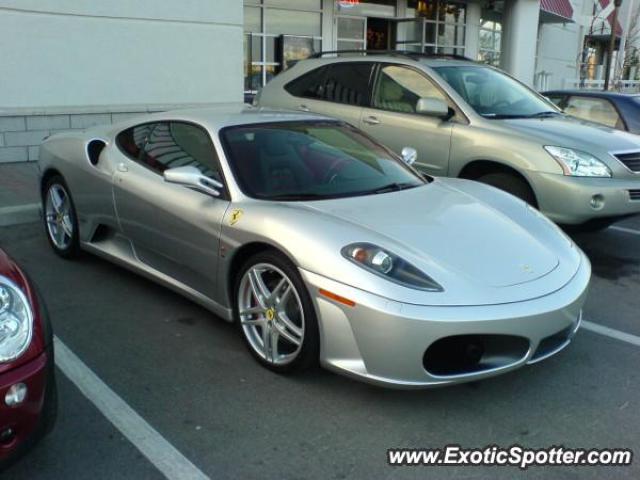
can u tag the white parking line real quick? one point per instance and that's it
(19, 214)
(611, 333)
(143, 436)
(625, 230)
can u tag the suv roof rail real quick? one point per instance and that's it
(401, 53)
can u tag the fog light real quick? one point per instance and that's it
(597, 202)
(16, 395)
(7, 435)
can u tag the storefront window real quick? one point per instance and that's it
(439, 27)
(299, 4)
(490, 40)
(292, 23)
(275, 29)
(252, 20)
(351, 33)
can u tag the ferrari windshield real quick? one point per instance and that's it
(312, 161)
(493, 94)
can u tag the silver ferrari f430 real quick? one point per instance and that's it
(320, 244)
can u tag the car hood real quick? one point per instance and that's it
(482, 245)
(566, 131)
(455, 230)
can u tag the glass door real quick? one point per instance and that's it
(437, 26)
(427, 36)
(410, 34)
(352, 33)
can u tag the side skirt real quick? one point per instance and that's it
(119, 250)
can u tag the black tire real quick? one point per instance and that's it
(309, 352)
(592, 226)
(73, 249)
(50, 409)
(512, 184)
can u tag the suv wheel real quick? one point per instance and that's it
(510, 183)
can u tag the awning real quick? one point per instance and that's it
(604, 4)
(556, 11)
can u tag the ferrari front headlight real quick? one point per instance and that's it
(16, 321)
(388, 265)
(577, 163)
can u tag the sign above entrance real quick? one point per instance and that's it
(348, 3)
(367, 8)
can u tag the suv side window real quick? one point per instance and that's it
(348, 83)
(179, 144)
(399, 88)
(594, 109)
(309, 85)
(557, 100)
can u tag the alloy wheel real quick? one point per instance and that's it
(59, 216)
(271, 314)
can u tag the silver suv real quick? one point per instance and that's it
(473, 121)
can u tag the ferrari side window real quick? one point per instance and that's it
(131, 141)
(178, 144)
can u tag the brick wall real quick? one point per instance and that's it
(21, 135)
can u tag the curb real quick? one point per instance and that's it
(19, 214)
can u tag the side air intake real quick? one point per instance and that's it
(94, 149)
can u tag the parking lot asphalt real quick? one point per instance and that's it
(188, 375)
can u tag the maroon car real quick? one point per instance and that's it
(28, 401)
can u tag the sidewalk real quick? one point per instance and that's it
(19, 196)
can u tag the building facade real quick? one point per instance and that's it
(69, 64)
(544, 43)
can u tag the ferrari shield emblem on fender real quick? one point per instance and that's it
(235, 216)
(527, 268)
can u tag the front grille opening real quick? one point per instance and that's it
(552, 343)
(464, 354)
(634, 194)
(630, 160)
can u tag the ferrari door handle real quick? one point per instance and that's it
(371, 120)
(122, 167)
(304, 108)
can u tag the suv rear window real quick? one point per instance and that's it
(346, 83)
(309, 85)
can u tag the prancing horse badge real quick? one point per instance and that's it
(235, 216)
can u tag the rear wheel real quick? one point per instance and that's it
(60, 219)
(275, 315)
(510, 183)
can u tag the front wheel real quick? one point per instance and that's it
(60, 219)
(275, 315)
(510, 183)
(591, 226)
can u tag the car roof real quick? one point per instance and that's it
(228, 115)
(449, 62)
(591, 93)
(391, 57)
